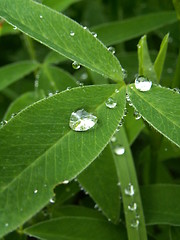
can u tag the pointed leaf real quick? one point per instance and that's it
(160, 59)
(77, 228)
(120, 31)
(159, 108)
(146, 67)
(103, 184)
(39, 150)
(61, 34)
(15, 71)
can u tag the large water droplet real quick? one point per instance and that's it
(119, 150)
(143, 84)
(112, 50)
(76, 65)
(132, 206)
(137, 115)
(72, 33)
(111, 103)
(120, 125)
(129, 190)
(135, 223)
(82, 121)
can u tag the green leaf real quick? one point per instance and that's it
(177, 7)
(14, 72)
(55, 29)
(174, 233)
(135, 223)
(6, 28)
(59, 5)
(158, 107)
(161, 204)
(54, 58)
(103, 184)
(146, 67)
(175, 81)
(52, 79)
(120, 31)
(21, 102)
(47, 152)
(77, 228)
(160, 59)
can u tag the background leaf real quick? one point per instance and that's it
(59, 5)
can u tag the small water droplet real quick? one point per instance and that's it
(68, 88)
(82, 120)
(85, 28)
(176, 90)
(132, 206)
(50, 94)
(119, 150)
(6, 224)
(36, 83)
(125, 112)
(119, 184)
(111, 49)
(113, 139)
(84, 76)
(116, 90)
(41, 17)
(135, 223)
(120, 125)
(14, 28)
(35, 191)
(3, 122)
(52, 200)
(111, 103)
(96, 206)
(65, 182)
(124, 73)
(94, 34)
(72, 33)
(143, 84)
(129, 190)
(76, 65)
(137, 115)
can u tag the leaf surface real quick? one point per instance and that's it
(44, 151)
(59, 5)
(158, 107)
(61, 34)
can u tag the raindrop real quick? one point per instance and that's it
(113, 139)
(72, 33)
(137, 115)
(35, 191)
(85, 28)
(14, 28)
(3, 122)
(135, 223)
(143, 84)
(129, 190)
(82, 121)
(111, 103)
(125, 112)
(68, 88)
(57, 91)
(119, 150)
(96, 206)
(6, 224)
(41, 17)
(112, 50)
(116, 90)
(120, 125)
(124, 73)
(13, 115)
(132, 207)
(177, 90)
(65, 182)
(94, 34)
(36, 83)
(50, 94)
(76, 65)
(52, 200)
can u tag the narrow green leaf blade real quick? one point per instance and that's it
(44, 151)
(61, 34)
(177, 7)
(160, 59)
(161, 204)
(159, 108)
(14, 72)
(77, 228)
(117, 32)
(146, 67)
(102, 187)
(59, 5)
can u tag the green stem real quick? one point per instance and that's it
(30, 47)
(128, 181)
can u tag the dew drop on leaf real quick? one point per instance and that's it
(137, 115)
(14, 28)
(111, 49)
(3, 122)
(113, 139)
(94, 34)
(41, 17)
(72, 33)
(65, 182)
(119, 150)
(143, 84)
(132, 206)
(124, 73)
(52, 200)
(81, 121)
(35, 191)
(111, 103)
(116, 90)
(129, 191)
(135, 223)
(76, 65)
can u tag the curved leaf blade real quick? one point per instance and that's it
(44, 151)
(77, 228)
(117, 32)
(159, 108)
(39, 21)
(15, 71)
